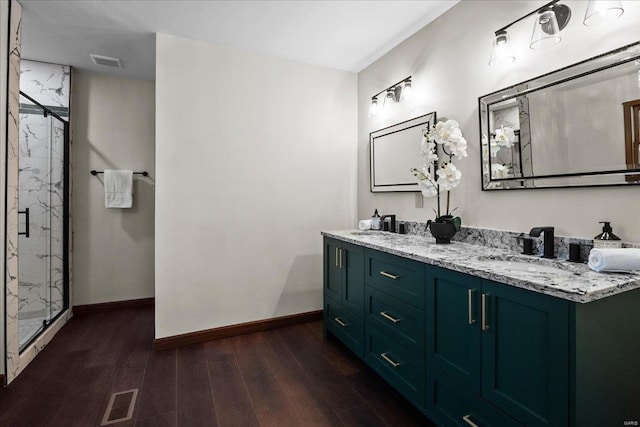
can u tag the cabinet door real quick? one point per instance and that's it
(332, 270)
(351, 260)
(453, 325)
(525, 354)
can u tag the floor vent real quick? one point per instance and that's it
(120, 407)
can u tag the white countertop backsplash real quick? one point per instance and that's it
(578, 283)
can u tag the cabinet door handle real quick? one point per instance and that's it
(470, 303)
(388, 316)
(340, 322)
(337, 257)
(389, 275)
(485, 325)
(467, 419)
(389, 360)
(340, 258)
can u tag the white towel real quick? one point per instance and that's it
(364, 224)
(118, 188)
(614, 259)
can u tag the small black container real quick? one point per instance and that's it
(527, 246)
(574, 252)
(402, 228)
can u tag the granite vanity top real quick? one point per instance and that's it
(559, 278)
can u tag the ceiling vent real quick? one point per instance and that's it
(106, 61)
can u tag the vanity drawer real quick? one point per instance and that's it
(396, 364)
(397, 319)
(346, 326)
(401, 277)
(449, 404)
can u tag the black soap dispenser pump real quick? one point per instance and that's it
(607, 239)
(376, 221)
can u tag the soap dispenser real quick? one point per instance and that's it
(607, 239)
(376, 222)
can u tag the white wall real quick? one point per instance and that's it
(113, 125)
(254, 157)
(448, 60)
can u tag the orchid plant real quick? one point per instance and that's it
(505, 137)
(447, 176)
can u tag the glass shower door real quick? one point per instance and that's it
(42, 224)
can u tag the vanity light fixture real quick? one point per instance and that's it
(394, 94)
(601, 11)
(551, 19)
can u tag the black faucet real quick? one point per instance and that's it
(548, 240)
(392, 223)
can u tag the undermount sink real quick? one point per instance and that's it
(527, 265)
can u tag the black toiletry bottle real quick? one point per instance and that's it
(607, 239)
(376, 221)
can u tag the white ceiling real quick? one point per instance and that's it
(345, 35)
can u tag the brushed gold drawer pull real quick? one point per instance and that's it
(389, 360)
(389, 275)
(388, 316)
(485, 325)
(340, 322)
(470, 303)
(467, 419)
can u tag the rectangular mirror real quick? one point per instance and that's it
(574, 127)
(393, 151)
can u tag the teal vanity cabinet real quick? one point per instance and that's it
(344, 293)
(508, 347)
(469, 351)
(394, 322)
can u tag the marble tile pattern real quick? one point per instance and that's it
(49, 84)
(576, 283)
(11, 266)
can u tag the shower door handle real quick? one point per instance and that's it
(25, 233)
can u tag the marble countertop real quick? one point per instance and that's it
(556, 277)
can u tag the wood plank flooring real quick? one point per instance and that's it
(284, 377)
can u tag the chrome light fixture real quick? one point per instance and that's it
(601, 11)
(394, 94)
(501, 52)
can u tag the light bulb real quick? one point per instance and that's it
(374, 108)
(501, 52)
(546, 32)
(407, 91)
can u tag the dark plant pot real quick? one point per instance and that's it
(442, 231)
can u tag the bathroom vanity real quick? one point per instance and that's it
(480, 336)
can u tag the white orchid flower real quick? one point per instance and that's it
(500, 171)
(448, 177)
(447, 131)
(427, 186)
(505, 136)
(457, 146)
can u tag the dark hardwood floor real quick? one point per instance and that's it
(285, 377)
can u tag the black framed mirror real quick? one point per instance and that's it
(574, 127)
(394, 150)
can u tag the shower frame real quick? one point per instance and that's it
(65, 220)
